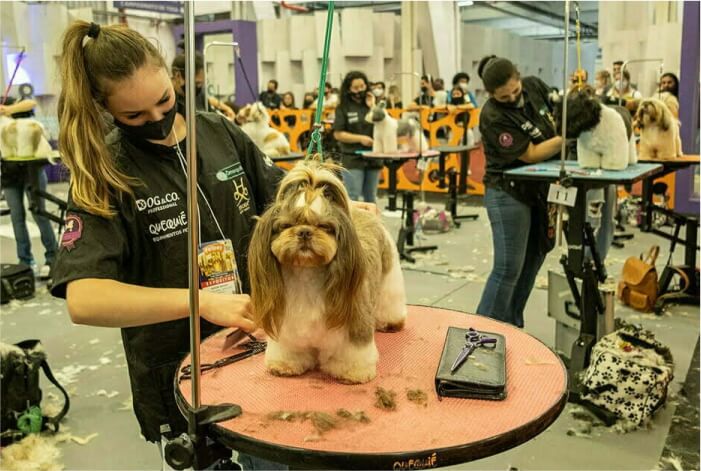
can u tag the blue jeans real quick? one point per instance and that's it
(517, 258)
(14, 194)
(362, 182)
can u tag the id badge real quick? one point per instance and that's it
(218, 270)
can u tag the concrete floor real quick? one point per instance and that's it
(90, 361)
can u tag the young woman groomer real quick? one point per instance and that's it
(123, 257)
(517, 129)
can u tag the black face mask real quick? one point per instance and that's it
(152, 130)
(458, 100)
(358, 96)
(424, 89)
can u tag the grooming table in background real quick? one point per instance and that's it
(413, 436)
(457, 181)
(691, 222)
(576, 264)
(394, 161)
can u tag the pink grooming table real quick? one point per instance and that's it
(441, 433)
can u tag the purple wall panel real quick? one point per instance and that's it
(243, 32)
(685, 200)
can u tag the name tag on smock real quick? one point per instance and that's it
(218, 270)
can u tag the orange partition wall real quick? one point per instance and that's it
(409, 177)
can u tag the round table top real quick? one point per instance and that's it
(441, 432)
(446, 431)
(399, 155)
(288, 157)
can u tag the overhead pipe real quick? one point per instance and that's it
(634, 61)
(299, 8)
(205, 89)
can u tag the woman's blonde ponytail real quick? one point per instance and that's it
(88, 66)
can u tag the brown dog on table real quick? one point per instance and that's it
(324, 276)
(659, 131)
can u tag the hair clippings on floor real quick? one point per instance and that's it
(251, 348)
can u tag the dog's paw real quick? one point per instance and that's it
(281, 368)
(390, 326)
(355, 375)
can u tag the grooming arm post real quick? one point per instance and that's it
(205, 90)
(563, 150)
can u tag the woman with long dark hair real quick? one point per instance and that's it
(354, 134)
(670, 83)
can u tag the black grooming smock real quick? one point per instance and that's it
(507, 131)
(146, 244)
(350, 117)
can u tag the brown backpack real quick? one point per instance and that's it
(638, 286)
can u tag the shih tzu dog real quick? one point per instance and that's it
(384, 130)
(324, 276)
(659, 131)
(604, 133)
(256, 123)
(23, 138)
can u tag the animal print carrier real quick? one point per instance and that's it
(629, 374)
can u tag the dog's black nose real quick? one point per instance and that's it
(304, 233)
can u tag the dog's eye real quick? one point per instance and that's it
(282, 227)
(326, 228)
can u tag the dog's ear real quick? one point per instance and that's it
(638, 117)
(665, 116)
(583, 114)
(36, 133)
(267, 286)
(344, 300)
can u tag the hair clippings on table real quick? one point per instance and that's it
(251, 348)
(94, 30)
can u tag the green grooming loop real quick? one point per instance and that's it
(316, 133)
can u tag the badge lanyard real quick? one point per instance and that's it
(181, 159)
(223, 276)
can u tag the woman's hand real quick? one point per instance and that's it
(365, 141)
(370, 99)
(227, 310)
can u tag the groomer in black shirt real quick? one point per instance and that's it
(517, 129)
(355, 134)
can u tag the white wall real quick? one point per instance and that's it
(291, 48)
(640, 30)
(541, 58)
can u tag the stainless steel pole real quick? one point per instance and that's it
(192, 216)
(563, 150)
(565, 82)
